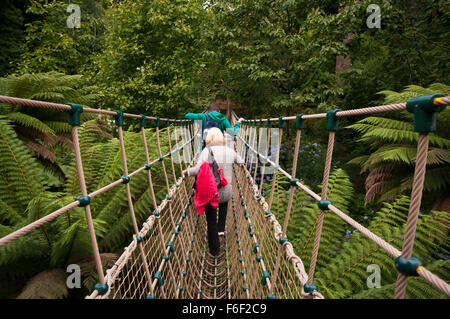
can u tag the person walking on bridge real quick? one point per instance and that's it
(213, 118)
(225, 157)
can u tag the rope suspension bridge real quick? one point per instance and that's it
(168, 256)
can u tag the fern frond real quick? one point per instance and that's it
(19, 171)
(438, 156)
(30, 121)
(360, 160)
(52, 87)
(376, 180)
(74, 240)
(59, 127)
(390, 131)
(40, 150)
(411, 91)
(391, 214)
(395, 153)
(8, 214)
(23, 256)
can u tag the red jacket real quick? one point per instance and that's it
(205, 189)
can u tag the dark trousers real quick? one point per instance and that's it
(215, 226)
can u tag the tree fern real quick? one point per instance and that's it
(44, 131)
(58, 127)
(394, 147)
(52, 86)
(20, 173)
(378, 131)
(74, 240)
(414, 90)
(29, 121)
(9, 215)
(346, 274)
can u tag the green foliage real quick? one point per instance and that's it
(150, 55)
(50, 45)
(167, 57)
(409, 48)
(21, 175)
(11, 21)
(391, 97)
(51, 86)
(394, 146)
(45, 133)
(273, 55)
(346, 275)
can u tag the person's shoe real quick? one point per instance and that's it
(221, 233)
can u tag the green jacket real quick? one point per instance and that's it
(216, 116)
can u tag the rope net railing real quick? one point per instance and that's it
(138, 271)
(252, 133)
(254, 237)
(168, 256)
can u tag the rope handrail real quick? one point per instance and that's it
(65, 107)
(442, 101)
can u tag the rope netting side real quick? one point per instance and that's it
(424, 109)
(167, 239)
(258, 249)
(254, 243)
(127, 278)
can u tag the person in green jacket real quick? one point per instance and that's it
(215, 115)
